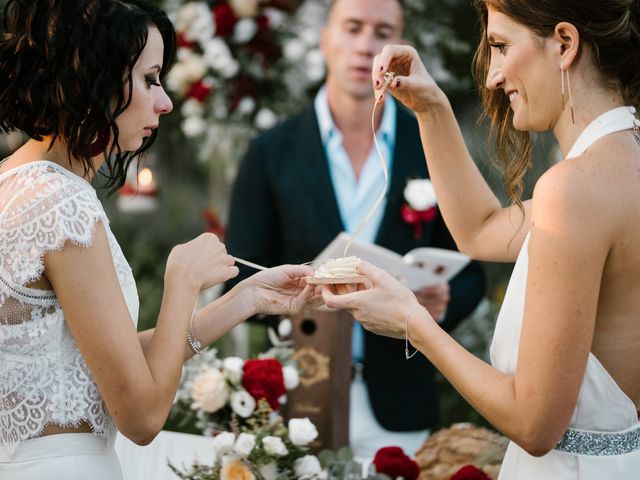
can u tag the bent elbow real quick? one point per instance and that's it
(538, 442)
(141, 431)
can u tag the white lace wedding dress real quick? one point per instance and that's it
(43, 377)
(603, 440)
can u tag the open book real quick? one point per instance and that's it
(421, 267)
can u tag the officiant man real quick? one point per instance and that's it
(317, 174)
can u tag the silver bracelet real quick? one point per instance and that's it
(406, 333)
(193, 342)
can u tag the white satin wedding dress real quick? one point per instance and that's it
(603, 439)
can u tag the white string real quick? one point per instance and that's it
(383, 162)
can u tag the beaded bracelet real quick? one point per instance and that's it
(406, 333)
(193, 342)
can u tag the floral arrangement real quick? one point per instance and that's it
(420, 205)
(470, 472)
(220, 394)
(239, 62)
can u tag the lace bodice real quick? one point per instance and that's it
(43, 377)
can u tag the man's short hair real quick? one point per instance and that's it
(333, 2)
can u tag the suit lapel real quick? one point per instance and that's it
(311, 160)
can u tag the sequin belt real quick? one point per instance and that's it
(583, 442)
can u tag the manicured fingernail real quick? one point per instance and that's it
(381, 68)
(397, 82)
(377, 83)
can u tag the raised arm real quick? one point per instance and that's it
(534, 405)
(481, 227)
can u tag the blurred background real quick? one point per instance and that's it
(238, 72)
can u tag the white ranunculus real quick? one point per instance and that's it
(294, 50)
(191, 107)
(314, 64)
(232, 367)
(285, 327)
(223, 443)
(265, 119)
(420, 194)
(193, 126)
(195, 67)
(243, 403)
(307, 466)
(246, 106)
(209, 391)
(216, 52)
(244, 444)
(274, 446)
(276, 17)
(244, 8)
(302, 431)
(244, 30)
(269, 471)
(291, 377)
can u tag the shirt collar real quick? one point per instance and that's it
(329, 131)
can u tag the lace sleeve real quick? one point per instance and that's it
(44, 209)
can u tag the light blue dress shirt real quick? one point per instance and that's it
(356, 197)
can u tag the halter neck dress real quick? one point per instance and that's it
(603, 439)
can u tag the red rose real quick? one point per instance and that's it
(393, 462)
(417, 218)
(225, 19)
(469, 472)
(263, 378)
(182, 41)
(199, 90)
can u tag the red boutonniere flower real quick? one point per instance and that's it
(393, 462)
(421, 204)
(263, 378)
(469, 472)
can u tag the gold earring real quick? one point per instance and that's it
(562, 72)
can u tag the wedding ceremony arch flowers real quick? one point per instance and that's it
(239, 61)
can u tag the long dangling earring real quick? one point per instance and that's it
(562, 72)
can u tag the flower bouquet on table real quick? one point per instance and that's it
(218, 394)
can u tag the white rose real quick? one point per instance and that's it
(246, 106)
(244, 8)
(302, 431)
(177, 79)
(244, 30)
(193, 126)
(191, 107)
(232, 367)
(291, 377)
(201, 28)
(216, 52)
(265, 119)
(314, 65)
(223, 442)
(244, 444)
(420, 194)
(243, 403)
(294, 50)
(195, 67)
(276, 17)
(274, 446)
(307, 466)
(209, 391)
(269, 471)
(285, 327)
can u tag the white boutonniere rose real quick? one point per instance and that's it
(420, 194)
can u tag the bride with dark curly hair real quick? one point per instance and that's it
(83, 80)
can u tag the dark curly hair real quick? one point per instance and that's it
(65, 72)
(611, 28)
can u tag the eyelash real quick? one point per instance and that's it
(152, 81)
(502, 47)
